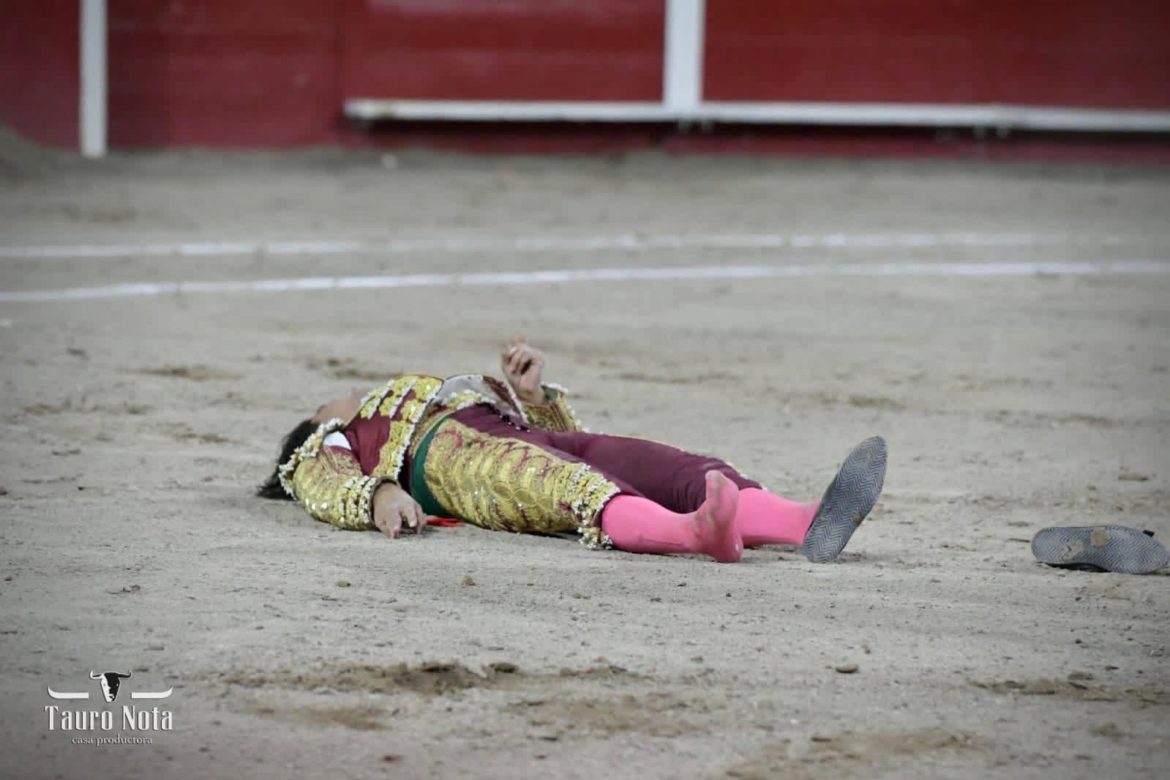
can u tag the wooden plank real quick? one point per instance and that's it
(1087, 53)
(40, 70)
(504, 50)
(204, 73)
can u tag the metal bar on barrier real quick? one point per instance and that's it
(1002, 117)
(93, 78)
(682, 60)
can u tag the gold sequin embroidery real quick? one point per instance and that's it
(507, 484)
(408, 414)
(370, 401)
(554, 414)
(332, 489)
(307, 451)
(401, 387)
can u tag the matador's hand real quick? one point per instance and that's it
(394, 510)
(523, 366)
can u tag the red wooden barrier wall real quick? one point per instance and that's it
(223, 73)
(1086, 53)
(39, 69)
(249, 73)
(504, 49)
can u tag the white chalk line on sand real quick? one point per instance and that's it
(618, 242)
(517, 278)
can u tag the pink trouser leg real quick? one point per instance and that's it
(765, 518)
(637, 524)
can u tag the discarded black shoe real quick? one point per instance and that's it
(848, 500)
(1113, 548)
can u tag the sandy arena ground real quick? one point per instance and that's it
(134, 429)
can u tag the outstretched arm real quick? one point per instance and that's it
(332, 488)
(329, 483)
(544, 404)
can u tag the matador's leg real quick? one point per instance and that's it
(505, 483)
(501, 476)
(677, 479)
(640, 525)
(667, 475)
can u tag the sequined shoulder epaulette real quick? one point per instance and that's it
(307, 450)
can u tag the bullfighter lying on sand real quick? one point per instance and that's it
(512, 456)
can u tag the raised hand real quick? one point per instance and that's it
(523, 366)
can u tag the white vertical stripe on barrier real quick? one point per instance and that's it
(93, 78)
(682, 61)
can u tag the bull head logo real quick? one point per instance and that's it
(110, 682)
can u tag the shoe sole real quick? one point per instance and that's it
(1113, 548)
(850, 497)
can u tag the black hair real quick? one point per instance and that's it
(296, 437)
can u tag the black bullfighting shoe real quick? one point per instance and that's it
(1100, 548)
(848, 500)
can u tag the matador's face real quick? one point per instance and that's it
(344, 407)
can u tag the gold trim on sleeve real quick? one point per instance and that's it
(308, 449)
(554, 414)
(408, 413)
(331, 487)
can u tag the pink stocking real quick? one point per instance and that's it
(637, 524)
(765, 518)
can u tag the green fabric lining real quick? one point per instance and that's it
(418, 483)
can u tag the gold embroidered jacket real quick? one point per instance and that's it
(331, 483)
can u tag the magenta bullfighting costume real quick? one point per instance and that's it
(466, 447)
